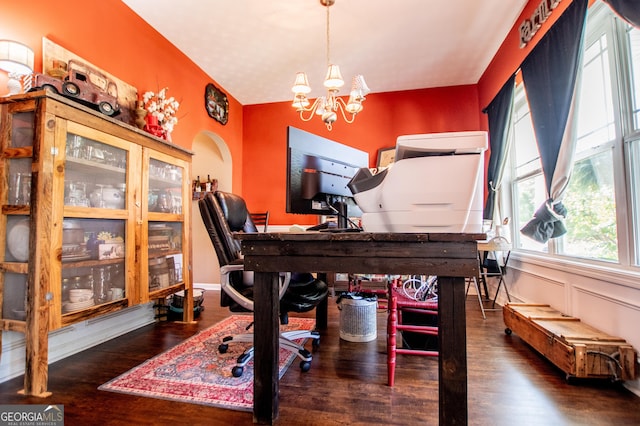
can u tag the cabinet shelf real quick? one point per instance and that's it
(154, 254)
(163, 183)
(94, 311)
(15, 267)
(23, 209)
(82, 165)
(165, 217)
(14, 325)
(95, 212)
(167, 291)
(89, 263)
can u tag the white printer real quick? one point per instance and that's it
(436, 184)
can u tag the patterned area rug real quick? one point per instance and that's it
(194, 371)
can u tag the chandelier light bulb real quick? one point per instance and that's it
(359, 84)
(301, 85)
(333, 80)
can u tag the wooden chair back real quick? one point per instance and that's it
(261, 219)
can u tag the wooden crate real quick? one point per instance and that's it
(576, 348)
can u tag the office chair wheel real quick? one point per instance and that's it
(315, 343)
(222, 348)
(237, 371)
(305, 366)
(507, 331)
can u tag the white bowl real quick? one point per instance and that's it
(74, 298)
(80, 291)
(71, 306)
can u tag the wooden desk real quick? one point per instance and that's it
(449, 256)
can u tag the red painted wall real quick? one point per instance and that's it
(385, 117)
(109, 35)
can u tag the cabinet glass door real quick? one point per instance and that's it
(165, 187)
(95, 174)
(16, 253)
(165, 255)
(16, 199)
(22, 129)
(19, 182)
(98, 237)
(93, 263)
(14, 303)
(165, 232)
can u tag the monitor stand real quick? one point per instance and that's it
(341, 212)
(342, 225)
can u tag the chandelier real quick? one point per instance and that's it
(327, 107)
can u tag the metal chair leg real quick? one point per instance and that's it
(477, 286)
(475, 282)
(500, 284)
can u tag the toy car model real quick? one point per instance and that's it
(84, 84)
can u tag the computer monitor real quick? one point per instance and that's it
(318, 171)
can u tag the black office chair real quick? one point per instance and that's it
(223, 214)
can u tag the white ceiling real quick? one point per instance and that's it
(253, 48)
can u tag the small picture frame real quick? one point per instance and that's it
(110, 251)
(386, 156)
(216, 104)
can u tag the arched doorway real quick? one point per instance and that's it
(211, 157)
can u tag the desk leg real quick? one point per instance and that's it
(452, 343)
(266, 334)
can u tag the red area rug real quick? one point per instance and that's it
(194, 371)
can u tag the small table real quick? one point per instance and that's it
(451, 257)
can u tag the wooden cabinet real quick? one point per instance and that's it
(95, 218)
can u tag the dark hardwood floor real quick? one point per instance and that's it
(509, 383)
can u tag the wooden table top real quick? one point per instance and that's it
(453, 255)
(359, 236)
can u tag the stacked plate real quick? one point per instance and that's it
(79, 298)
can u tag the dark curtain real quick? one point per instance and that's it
(499, 115)
(550, 73)
(629, 10)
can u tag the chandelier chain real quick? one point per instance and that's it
(328, 37)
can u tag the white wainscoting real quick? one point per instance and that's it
(74, 338)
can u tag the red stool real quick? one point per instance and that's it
(399, 302)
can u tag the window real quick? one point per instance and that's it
(605, 175)
(529, 187)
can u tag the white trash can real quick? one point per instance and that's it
(358, 319)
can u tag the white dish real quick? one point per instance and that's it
(80, 299)
(80, 291)
(70, 306)
(81, 255)
(18, 240)
(83, 302)
(80, 295)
